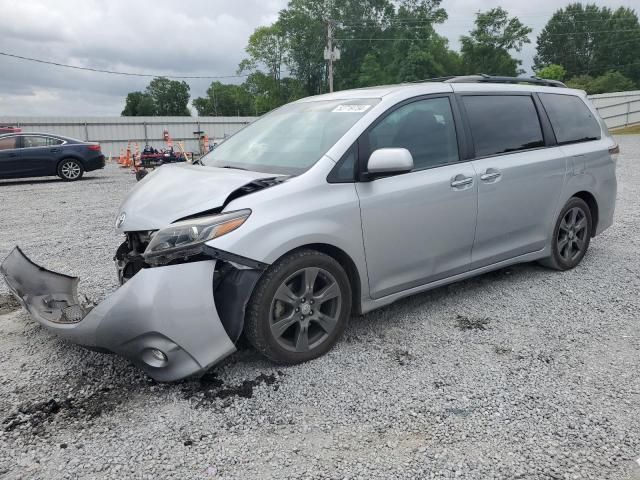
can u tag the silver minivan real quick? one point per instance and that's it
(335, 205)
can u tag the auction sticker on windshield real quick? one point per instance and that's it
(351, 108)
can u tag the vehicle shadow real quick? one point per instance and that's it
(378, 320)
(376, 324)
(44, 181)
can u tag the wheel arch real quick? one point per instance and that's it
(592, 203)
(70, 156)
(346, 262)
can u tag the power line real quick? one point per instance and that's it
(567, 15)
(113, 72)
(427, 38)
(419, 23)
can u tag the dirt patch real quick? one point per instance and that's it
(8, 304)
(209, 388)
(468, 323)
(34, 416)
(402, 357)
(502, 349)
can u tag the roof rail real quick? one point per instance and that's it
(434, 79)
(483, 78)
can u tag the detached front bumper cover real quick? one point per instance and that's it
(168, 309)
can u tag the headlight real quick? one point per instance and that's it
(186, 238)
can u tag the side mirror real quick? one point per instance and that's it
(389, 161)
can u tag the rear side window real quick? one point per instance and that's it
(425, 127)
(571, 119)
(503, 123)
(8, 143)
(32, 141)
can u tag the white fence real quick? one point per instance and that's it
(113, 133)
(618, 108)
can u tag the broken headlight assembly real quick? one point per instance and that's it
(186, 238)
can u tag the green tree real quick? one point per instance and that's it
(591, 40)
(225, 100)
(609, 82)
(581, 82)
(305, 34)
(370, 72)
(552, 72)
(486, 48)
(170, 97)
(267, 50)
(138, 104)
(380, 41)
(418, 52)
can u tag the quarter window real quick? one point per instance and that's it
(571, 119)
(344, 171)
(425, 128)
(503, 123)
(8, 143)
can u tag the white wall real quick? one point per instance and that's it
(618, 108)
(114, 132)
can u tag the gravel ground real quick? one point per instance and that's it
(521, 373)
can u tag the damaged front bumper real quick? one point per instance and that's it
(163, 319)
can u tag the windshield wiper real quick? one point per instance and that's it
(235, 168)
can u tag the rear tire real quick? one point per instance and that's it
(571, 236)
(299, 308)
(70, 170)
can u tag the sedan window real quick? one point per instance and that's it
(34, 141)
(7, 143)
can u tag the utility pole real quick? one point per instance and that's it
(331, 54)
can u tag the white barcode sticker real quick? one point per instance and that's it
(351, 108)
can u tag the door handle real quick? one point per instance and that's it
(490, 174)
(461, 182)
(54, 150)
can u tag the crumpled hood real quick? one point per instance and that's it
(176, 191)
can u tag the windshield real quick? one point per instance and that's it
(291, 139)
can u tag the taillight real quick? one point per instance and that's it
(614, 151)
(94, 147)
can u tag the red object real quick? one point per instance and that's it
(7, 129)
(94, 147)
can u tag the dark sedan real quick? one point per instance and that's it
(43, 154)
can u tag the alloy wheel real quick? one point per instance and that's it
(305, 309)
(70, 170)
(572, 234)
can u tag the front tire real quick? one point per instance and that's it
(571, 236)
(299, 308)
(70, 170)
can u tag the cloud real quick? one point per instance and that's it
(201, 37)
(197, 37)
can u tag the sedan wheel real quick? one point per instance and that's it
(70, 170)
